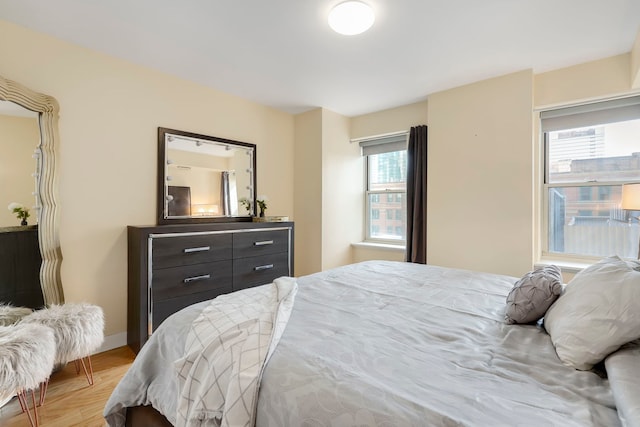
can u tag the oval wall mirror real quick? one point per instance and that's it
(203, 178)
(47, 110)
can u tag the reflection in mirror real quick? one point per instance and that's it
(19, 138)
(204, 178)
(45, 213)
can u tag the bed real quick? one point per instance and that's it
(383, 343)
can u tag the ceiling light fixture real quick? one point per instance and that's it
(351, 18)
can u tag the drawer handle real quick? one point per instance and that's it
(196, 278)
(199, 249)
(263, 267)
(263, 242)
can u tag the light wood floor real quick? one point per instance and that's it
(70, 400)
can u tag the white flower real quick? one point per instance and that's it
(19, 209)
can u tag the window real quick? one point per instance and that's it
(385, 187)
(585, 193)
(590, 151)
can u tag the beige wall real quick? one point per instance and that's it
(480, 176)
(388, 121)
(366, 252)
(583, 82)
(19, 137)
(308, 192)
(342, 186)
(109, 114)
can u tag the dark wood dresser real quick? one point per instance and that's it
(173, 266)
(20, 263)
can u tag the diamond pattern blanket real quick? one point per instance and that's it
(226, 351)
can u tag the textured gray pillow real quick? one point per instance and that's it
(532, 295)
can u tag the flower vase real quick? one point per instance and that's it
(24, 222)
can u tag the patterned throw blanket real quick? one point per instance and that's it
(226, 351)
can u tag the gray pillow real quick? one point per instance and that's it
(532, 295)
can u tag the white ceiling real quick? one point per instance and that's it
(282, 53)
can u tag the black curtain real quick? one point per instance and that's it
(417, 195)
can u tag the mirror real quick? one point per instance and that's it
(45, 190)
(19, 136)
(204, 178)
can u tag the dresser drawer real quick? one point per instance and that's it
(255, 271)
(164, 309)
(178, 281)
(188, 250)
(256, 243)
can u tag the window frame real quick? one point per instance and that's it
(399, 142)
(545, 253)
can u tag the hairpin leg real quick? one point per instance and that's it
(89, 372)
(43, 391)
(33, 420)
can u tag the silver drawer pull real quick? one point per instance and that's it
(263, 242)
(196, 278)
(263, 267)
(199, 249)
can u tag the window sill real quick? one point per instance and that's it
(566, 266)
(381, 246)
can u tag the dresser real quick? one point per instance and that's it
(173, 266)
(20, 263)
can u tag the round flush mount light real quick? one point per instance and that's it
(351, 18)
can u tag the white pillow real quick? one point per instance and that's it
(598, 312)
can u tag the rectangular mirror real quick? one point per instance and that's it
(204, 178)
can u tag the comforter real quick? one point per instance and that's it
(393, 344)
(226, 350)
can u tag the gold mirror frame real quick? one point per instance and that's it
(47, 109)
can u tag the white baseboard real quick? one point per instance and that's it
(113, 341)
(5, 399)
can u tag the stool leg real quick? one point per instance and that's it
(43, 391)
(89, 372)
(33, 420)
(21, 400)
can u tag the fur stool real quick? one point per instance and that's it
(10, 314)
(78, 330)
(27, 352)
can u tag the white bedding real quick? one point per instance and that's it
(394, 344)
(227, 348)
